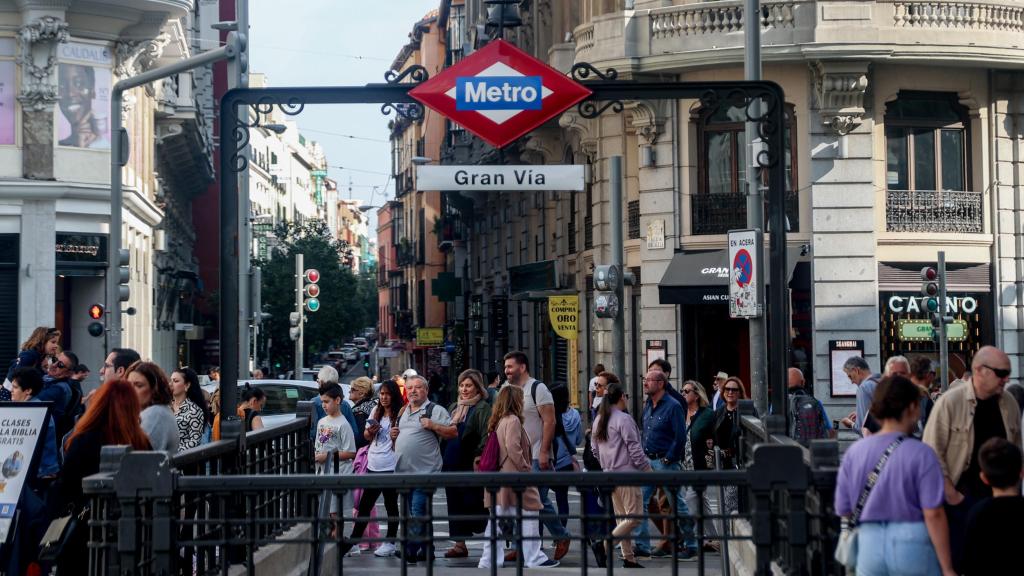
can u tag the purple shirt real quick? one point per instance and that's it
(621, 452)
(910, 482)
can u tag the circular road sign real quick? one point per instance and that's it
(745, 265)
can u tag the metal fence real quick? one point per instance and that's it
(190, 515)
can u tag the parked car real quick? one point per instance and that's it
(361, 343)
(283, 397)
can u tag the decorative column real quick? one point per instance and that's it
(38, 42)
(845, 270)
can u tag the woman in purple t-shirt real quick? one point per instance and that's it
(902, 527)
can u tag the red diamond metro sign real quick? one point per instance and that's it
(500, 93)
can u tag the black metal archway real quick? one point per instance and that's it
(608, 93)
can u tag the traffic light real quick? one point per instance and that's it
(96, 313)
(311, 290)
(124, 273)
(931, 289)
(607, 282)
(294, 323)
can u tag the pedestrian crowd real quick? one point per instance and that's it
(932, 487)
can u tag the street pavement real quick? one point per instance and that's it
(365, 563)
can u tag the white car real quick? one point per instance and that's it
(350, 354)
(283, 397)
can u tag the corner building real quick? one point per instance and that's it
(903, 138)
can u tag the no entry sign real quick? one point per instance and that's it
(500, 93)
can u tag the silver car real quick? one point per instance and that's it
(283, 397)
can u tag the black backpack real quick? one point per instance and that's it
(806, 421)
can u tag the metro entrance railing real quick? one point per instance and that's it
(210, 511)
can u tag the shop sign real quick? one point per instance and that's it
(916, 304)
(21, 434)
(564, 314)
(430, 337)
(500, 178)
(923, 331)
(82, 248)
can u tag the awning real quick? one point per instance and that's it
(703, 277)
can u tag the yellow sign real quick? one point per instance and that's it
(564, 312)
(430, 336)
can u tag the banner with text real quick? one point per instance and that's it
(497, 178)
(21, 427)
(564, 312)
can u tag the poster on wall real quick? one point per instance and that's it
(7, 96)
(84, 84)
(839, 351)
(21, 434)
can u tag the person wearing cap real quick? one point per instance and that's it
(719, 379)
(409, 372)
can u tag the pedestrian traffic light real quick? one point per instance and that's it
(124, 273)
(311, 290)
(294, 323)
(95, 327)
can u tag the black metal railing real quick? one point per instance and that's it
(152, 519)
(588, 232)
(953, 211)
(719, 213)
(633, 213)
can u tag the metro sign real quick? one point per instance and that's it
(500, 93)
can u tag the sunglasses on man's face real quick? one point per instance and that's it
(999, 372)
(60, 364)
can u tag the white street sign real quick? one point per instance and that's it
(744, 273)
(498, 178)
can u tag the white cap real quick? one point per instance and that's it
(409, 372)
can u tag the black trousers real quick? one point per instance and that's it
(366, 503)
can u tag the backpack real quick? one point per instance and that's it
(491, 454)
(428, 409)
(806, 421)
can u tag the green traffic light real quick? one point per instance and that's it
(932, 304)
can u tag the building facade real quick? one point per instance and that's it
(902, 140)
(59, 61)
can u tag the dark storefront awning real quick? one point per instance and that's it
(703, 277)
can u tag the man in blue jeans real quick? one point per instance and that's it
(664, 438)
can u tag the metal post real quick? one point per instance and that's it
(240, 79)
(615, 213)
(118, 160)
(755, 202)
(299, 270)
(943, 331)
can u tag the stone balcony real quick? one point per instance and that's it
(695, 34)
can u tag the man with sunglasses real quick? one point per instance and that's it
(65, 395)
(963, 419)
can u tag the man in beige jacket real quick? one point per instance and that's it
(961, 421)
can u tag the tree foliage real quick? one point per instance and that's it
(348, 302)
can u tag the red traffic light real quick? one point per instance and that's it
(312, 275)
(313, 290)
(929, 274)
(96, 311)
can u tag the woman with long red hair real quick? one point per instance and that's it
(112, 419)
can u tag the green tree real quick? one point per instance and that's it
(345, 303)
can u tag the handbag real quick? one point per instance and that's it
(60, 532)
(846, 548)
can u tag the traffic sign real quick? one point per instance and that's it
(744, 275)
(500, 93)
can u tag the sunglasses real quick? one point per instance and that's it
(60, 364)
(734, 390)
(999, 372)
(687, 390)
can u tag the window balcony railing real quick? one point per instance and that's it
(934, 211)
(719, 213)
(633, 210)
(588, 232)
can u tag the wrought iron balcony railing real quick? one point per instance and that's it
(719, 213)
(952, 211)
(633, 209)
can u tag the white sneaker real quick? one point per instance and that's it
(353, 552)
(385, 550)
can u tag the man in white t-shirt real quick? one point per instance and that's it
(539, 422)
(592, 388)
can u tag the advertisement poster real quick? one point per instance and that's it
(84, 84)
(564, 314)
(7, 94)
(839, 351)
(21, 427)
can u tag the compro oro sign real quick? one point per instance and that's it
(744, 273)
(497, 178)
(431, 337)
(564, 312)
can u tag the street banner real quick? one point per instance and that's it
(564, 312)
(497, 178)
(84, 85)
(22, 427)
(430, 337)
(745, 274)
